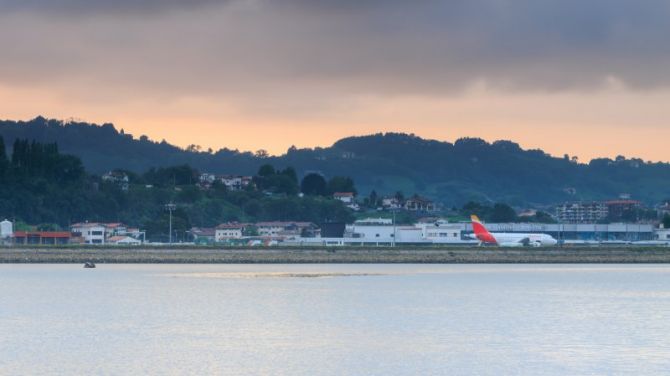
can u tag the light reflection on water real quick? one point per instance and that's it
(334, 319)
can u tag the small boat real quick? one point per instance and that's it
(89, 265)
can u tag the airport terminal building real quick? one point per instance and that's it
(441, 232)
(624, 232)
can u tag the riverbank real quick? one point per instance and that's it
(336, 255)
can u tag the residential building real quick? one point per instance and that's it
(203, 235)
(98, 233)
(115, 229)
(232, 182)
(92, 233)
(346, 197)
(235, 182)
(119, 178)
(418, 203)
(286, 229)
(207, 179)
(391, 203)
(581, 212)
(228, 231)
(624, 210)
(374, 221)
(663, 209)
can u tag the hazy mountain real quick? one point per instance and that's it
(452, 173)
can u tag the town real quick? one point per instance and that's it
(378, 221)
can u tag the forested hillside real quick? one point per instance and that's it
(469, 169)
(41, 186)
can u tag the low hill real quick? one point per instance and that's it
(453, 173)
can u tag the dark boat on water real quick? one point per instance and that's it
(89, 265)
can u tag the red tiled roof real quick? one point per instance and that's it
(42, 234)
(233, 225)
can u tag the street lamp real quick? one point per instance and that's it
(170, 208)
(394, 232)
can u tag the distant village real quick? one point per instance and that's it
(572, 222)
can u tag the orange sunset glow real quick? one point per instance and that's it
(255, 75)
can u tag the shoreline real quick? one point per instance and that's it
(455, 255)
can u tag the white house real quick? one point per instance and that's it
(117, 177)
(284, 229)
(391, 203)
(115, 229)
(346, 197)
(92, 233)
(227, 231)
(235, 182)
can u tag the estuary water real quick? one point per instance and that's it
(335, 319)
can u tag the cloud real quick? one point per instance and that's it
(78, 7)
(303, 49)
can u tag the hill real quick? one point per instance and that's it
(453, 173)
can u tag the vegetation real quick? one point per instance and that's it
(43, 186)
(453, 173)
(666, 221)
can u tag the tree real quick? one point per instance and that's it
(373, 199)
(266, 170)
(476, 208)
(4, 162)
(503, 213)
(261, 153)
(666, 221)
(543, 217)
(314, 184)
(290, 173)
(341, 184)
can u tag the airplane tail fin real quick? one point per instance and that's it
(480, 230)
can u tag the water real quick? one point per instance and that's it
(334, 319)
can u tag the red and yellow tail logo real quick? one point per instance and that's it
(481, 232)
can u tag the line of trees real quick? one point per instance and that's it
(43, 187)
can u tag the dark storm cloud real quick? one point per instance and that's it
(366, 46)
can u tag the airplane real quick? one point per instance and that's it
(509, 239)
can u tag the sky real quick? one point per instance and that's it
(585, 78)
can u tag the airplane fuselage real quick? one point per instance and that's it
(511, 239)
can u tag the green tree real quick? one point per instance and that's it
(314, 184)
(4, 162)
(373, 199)
(266, 170)
(666, 221)
(503, 213)
(341, 184)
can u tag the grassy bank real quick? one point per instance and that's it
(336, 255)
